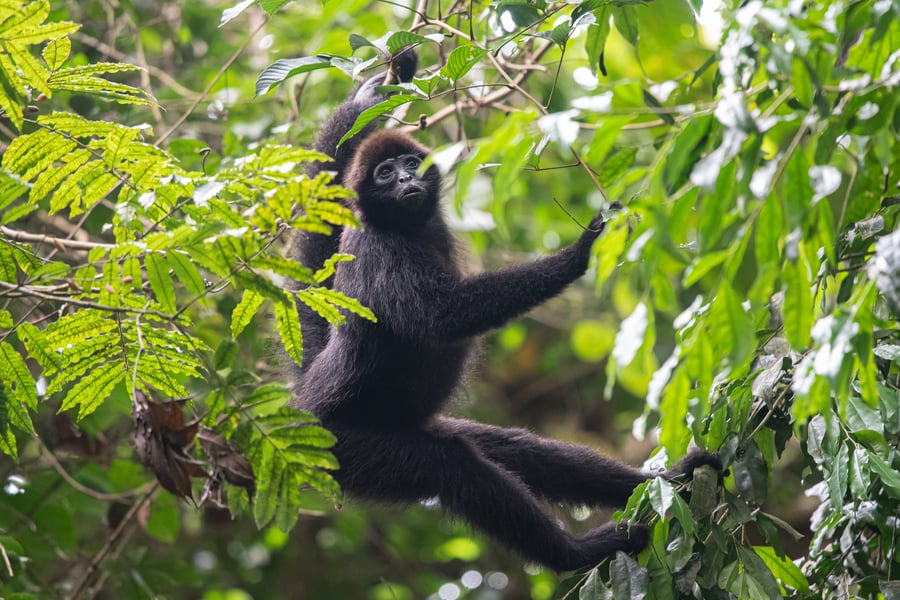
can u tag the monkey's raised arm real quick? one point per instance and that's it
(313, 249)
(402, 68)
(478, 304)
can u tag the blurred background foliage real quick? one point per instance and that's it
(730, 252)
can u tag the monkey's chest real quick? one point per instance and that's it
(396, 383)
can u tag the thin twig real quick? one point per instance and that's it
(25, 290)
(212, 83)
(86, 577)
(40, 238)
(102, 496)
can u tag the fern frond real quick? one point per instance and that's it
(97, 86)
(12, 95)
(92, 389)
(288, 323)
(284, 458)
(315, 297)
(37, 346)
(44, 33)
(321, 307)
(50, 178)
(82, 359)
(77, 327)
(76, 126)
(156, 374)
(244, 311)
(11, 189)
(28, 154)
(284, 266)
(19, 393)
(28, 68)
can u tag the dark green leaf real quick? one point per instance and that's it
(629, 579)
(284, 68)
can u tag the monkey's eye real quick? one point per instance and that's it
(384, 172)
(412, 163)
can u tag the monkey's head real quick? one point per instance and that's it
(385, 175)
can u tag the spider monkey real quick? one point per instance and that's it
(379, 387)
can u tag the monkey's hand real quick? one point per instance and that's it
(402, 69)
(695, 458)
(596, 226)
(706, 473)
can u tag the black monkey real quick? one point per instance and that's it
(380, 386)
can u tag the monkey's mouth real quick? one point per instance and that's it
(413, 193)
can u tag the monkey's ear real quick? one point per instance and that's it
(404, 64)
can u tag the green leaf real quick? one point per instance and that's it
(72, 329)
(755, 567)
(402, 39)
(461, 61)
(560, 34)
(798, 304)
(596, 41)
(272, 6)
(683, 514)
(288, 323)
(887, 476)
(860, 475)
(704, 264)
(674, 434)
(686, 152)
(244, 311)
(629, 579)
(186, 272)
(751, 476)
(357, 41)
(370, 114)
(29, 69)
(661, 496)
(626, 21)
(11, 96)
(837, 479)
(733, 327)
(270, 397)
(269, 469)
(161, 281)
(284, 266)
(226, 352)
(285, 68)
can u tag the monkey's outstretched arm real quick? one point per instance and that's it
(477, 304)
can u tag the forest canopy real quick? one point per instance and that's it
(744, 300)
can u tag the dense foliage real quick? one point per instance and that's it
(749, 291)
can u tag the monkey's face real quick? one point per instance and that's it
(398, 194)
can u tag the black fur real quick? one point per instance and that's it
(380, 386)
